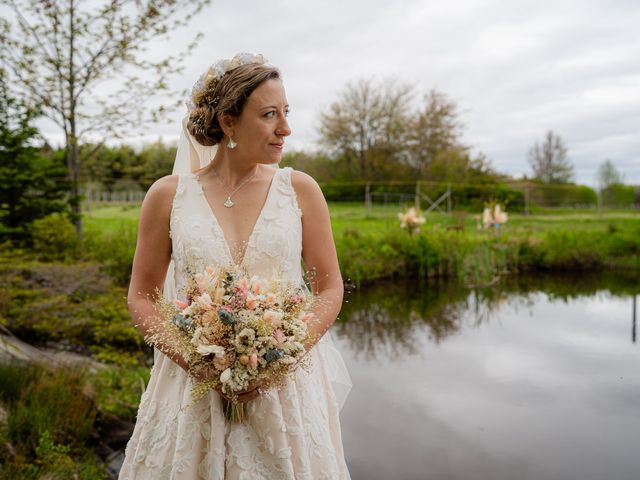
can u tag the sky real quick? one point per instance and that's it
(516, 69)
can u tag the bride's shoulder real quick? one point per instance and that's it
(162, 190)
(307, 190)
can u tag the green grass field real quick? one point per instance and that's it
(383, 220)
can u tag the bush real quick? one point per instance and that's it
(54, 237)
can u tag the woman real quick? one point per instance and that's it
(237, 209)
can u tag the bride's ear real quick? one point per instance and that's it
(227, 123)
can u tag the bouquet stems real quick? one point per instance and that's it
(235, 412)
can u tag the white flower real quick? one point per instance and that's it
(217, 350)
(487, 219)
(500, 216)
(411, 219)
(204, 301)
(225, 376)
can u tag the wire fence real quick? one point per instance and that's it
(524, 197)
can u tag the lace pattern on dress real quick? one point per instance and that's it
(292, 433)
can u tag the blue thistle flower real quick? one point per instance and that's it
(181, 321)
(273, 354)
(226, 317)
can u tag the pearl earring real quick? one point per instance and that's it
(231, 144)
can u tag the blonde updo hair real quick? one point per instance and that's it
(228, 95)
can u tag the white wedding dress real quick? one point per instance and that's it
(292, 433)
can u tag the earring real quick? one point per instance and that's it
(231, 144)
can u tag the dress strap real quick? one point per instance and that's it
(287, 188)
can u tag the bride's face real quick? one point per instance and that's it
(261, 128)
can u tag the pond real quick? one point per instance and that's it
(533, 378)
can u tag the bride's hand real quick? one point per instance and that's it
(252, 392)
(207, 372)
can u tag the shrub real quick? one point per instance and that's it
(54, 237)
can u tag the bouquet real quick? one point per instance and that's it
(245, 329)
(411, 220)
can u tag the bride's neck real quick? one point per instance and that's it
(232, 170)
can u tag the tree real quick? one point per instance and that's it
(435, 130)
(59, 52)
(32, 181)
(608, 175)
(153, 161)
(549, 160)
(367, 126)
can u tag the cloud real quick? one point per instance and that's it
(517, 69)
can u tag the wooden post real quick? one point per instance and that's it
(416, 201)
(633, 321)
(367, 200)
(449, 198)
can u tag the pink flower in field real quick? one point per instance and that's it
(181, 305)
(279, 336)
(253, 360)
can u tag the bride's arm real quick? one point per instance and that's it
(319, 254)
(151, 259)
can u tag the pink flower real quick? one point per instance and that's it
(270, 298)
(257, 286)
(279, 336)
(204, 301)
(253, 360)
(181, 305)
(243, 283)
(307, 316)
(272, 315)
(222, 363)
(208, 316)
(252, 303)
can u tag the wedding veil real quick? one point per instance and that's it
(191, 156)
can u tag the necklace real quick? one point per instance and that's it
(228, 202)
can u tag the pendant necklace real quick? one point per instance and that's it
(228, 202)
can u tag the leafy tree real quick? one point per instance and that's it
(79, 62)
(32, 180)
(367, 126)
(609, 175)
(434, 131)
(108, 165)
(549, 160)
(152, 161)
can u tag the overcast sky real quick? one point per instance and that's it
(515, 68)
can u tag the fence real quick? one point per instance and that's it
(524, 197)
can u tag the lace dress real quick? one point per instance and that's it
(292, 433)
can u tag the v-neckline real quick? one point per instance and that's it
(221, 230)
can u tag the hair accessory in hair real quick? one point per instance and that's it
(215, 73)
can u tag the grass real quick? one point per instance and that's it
(372, 247)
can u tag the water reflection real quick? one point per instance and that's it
(381, 321)
(535, 378)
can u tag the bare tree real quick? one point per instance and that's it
(435, 129)
(367, 125)
(62, 55)
(549, 160)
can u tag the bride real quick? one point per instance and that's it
(237, 207)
